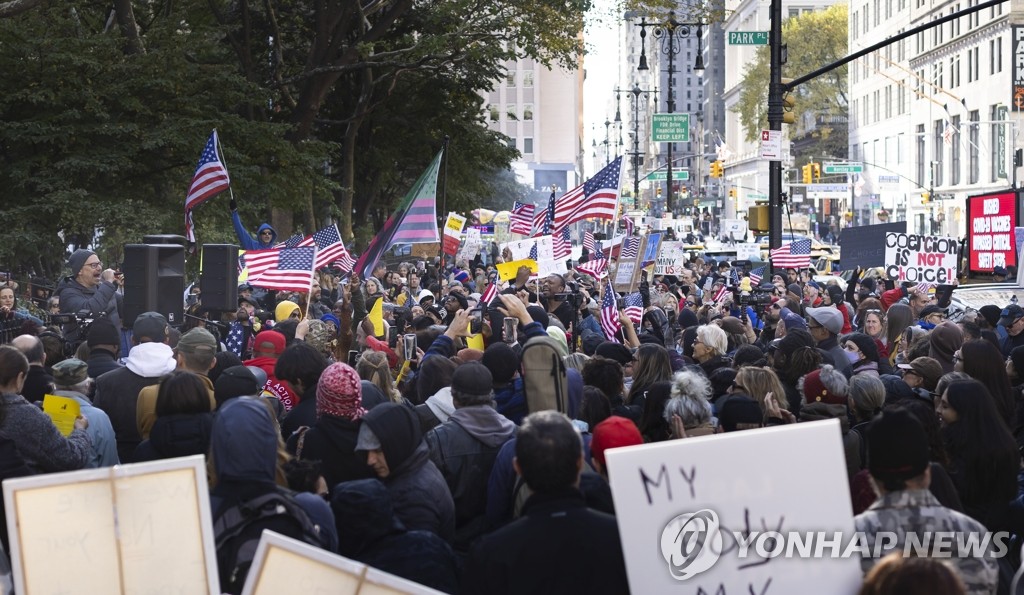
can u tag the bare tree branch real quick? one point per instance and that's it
(16, 7)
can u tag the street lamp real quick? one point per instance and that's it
(607, 144)
(635, 155)
(670, 33)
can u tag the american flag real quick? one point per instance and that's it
(630, 225)
(792, 255)
(597, 198)
(634, 303)
(542, 221)
(521, 220)
(630, 248)
(562, 245)
(735, 278)
(610, 315)
(292, 242)
(210, 178)
(596, 266)
(329, 246)
(923, 288)
(346, 263)
(588, 241)
(285, 269)
(757, 275)
(720, 294)
(488, 295)
(533, 252)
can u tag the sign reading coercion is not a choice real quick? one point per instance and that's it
(920, 259)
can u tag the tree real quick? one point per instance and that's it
(814, 39)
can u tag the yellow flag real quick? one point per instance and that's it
(377, 318)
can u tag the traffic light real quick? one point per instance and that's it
(732, 193)
(788, 104)
(716, 169)
(817, 171)
(807, 173)
(926, 197)
(659, 191)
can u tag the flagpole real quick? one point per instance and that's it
(444, 195)
(312, 278)
(220, 155)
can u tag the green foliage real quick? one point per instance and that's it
(814, 40)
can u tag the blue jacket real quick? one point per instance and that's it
(246, 241)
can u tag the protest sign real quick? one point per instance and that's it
(920, 259)
(507, 270)
(471, 246)
(521, 249)
(286, 565)
(452, 232)
(864, 246)
(651, 248)
(990, 222)
(738, 494)
(63, 411)
(748, 251)
(117, 530)
(671, 258)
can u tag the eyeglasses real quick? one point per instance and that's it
(911, 373)
(266, 232)
(94, 265)
(689, 304)
(814, 326)
(698, 342)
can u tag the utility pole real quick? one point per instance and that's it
(775, 113)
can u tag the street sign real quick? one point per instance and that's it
(670, 128)
(853, 167)
(942, 196)
(757, 196)
(771, 145)
(662, 175)
(748, 38)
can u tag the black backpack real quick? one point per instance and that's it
(237, 531)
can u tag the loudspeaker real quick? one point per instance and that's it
(219, 280)
(154, 281)
(164, 239)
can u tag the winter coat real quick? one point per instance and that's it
(39, 442)
(177, 436)
(510, 400)
(557, 546)
(145, 407)
(246, 241)
(101, 433)
(38, 382)
(100, 301)
(332, 441)
(303, 414)
(421, 497)
(101, 361)
(840, 361)
(274, 386)
(464, 449)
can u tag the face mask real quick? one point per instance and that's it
(853, 357)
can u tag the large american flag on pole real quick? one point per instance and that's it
(521, 219)
(588, 240)
(792, 255)
(210, 178)
(284, 269)
(596, 198)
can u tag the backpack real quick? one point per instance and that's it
(545, 384)
(237, 531)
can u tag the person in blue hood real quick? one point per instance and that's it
(266, 236)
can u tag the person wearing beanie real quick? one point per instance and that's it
(899, 469)
(825, 324)
(236, 381)
(1015, 367)
(391, 439)
(285, 310)
(465, 446)
(104, 341)
(825, 391)
(89, 288)
(503, 363)
(944, 341)
(332, 438)
(812, 295)
(614, 432)
(862, 353)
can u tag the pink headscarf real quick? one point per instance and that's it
(339, 393)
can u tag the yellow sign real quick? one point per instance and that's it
(508, 270)
(63, 411)
(455, 223)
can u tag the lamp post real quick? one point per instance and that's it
(670, 33)
(607, 143)
(636, 92)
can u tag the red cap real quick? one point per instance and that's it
(269, 341)
(613, 432)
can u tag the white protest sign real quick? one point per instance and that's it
(734, 228)
(699, 515)
(285, 565)
(551, 267)
(521, 249)
(127, 529)
(748, 251)
(920, 259)
(624, 275)
(471, 246)
(671, 258)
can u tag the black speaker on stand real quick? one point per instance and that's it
(219, 279)
(154, 281)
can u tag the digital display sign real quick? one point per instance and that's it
(990, 222)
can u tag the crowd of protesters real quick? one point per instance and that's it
(424, 458)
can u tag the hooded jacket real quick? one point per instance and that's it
(464, 449)
(176, 436)
(332, 441)
(102, 300)
(246, 241)
(279, 389)
(419, 492)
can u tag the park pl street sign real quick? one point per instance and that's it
(670, 128)
(854, 167)
(661, 176)
(748, 38)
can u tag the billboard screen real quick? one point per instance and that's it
(990, 222)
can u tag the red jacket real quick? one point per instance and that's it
(892, 296)
(279, 389)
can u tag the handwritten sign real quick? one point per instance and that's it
(452, 232)
(920, 259)
(286, 565)
(737, 489)
(671, 259)
(63, 411)
(115, 530)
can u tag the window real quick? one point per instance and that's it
(856, 21)
(878, 13)
(997, 141)
(527, 111)
(954, 71)
(528, 146)
(527, 78)
(493, 111)
(794, 12)
(511, 142)
(901, 98)
(867, 21)
(973, 152)
(939, 130)
(995, 52)
(954, 165)
(877, 106)
(921, 157)
(888, 101)
(510, 112)
(971, 74)
(510, 78)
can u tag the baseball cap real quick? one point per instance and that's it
(929, 369)
(197, 339)
(1010, 314)
(151, 326)
(269, 342)
(472, 379)
(828, 317)
(929, 310)
(613, 432)
(999, 271)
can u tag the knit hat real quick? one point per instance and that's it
(70, 372)
(463, 302)
(866, 345)
(196, 340)
(77, 260)
(472, 379)
(731, 325)
(236, 381)
(284, 310)
(615, 351)
(613, 432)
(222, 361)
(103, 332)
(591, 340)
(835, 293)
(815, 390)
(740, 412)
(318, 335)
(930, 370)
(795, 289)
(270, 342)
(151, 326)
(991, 314)
(792, 320)
(828, 317)
(897, 446)
(748, 355)
(538, 314)
(929, 310)
(339, 393)
(502, 362)
(331, 318)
